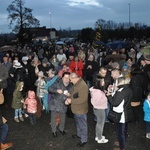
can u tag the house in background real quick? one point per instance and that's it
(42, 33)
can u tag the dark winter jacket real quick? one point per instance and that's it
(57, 102)
(136, 84)
(121, 103)
(89, 72)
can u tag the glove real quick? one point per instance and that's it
(76, 95)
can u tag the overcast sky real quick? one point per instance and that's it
(78, 14)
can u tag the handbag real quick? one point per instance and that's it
(114, 116)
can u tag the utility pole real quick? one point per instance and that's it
(50, 19)
(129, 16)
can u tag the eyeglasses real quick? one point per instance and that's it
(71, 79)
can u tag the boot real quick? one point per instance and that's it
(16, 119)
(6, 146)
(26, 115)
(21, 118)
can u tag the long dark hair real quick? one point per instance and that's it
(97, 84)
(135, 68)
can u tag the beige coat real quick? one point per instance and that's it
(79, 105)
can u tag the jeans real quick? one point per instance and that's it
(4, 132)
(100, 115)
(81, 124)
(106, 112)
(121, 131)
(18, 112)
(32, 117)
(147, 127)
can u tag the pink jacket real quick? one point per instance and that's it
(98, 98)
(31, 102)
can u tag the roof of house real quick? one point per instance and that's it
(40, 31)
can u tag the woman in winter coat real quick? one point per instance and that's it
(59, 93)
(136, 85)
(32, 73)
(77, 66)
(99, 102)
(121, 106)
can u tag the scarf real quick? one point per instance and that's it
(45, 98)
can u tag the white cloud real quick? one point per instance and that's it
(84, 2)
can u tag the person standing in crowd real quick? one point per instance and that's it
(61, 55)
(70, 59)
(121, 104)
(25, 63)
(146, 70)
(99, 102)
(50, 80)
(17, 102)
(31, 105)
(40, 84)
(65, 68)
(3, 126)
(76, 66)
(106, 74)
(115, 74)
(146, 109)
(11, 75)
(91, 66)
(45, 66)
(54, 61)
(59, 93)
(33, 70)
(7, 91)
(79, 107)
(136, 85)
(3, 81)
(40, 52)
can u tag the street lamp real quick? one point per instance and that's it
(50, 14)
(129, 15)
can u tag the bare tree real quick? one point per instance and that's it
(21, 17)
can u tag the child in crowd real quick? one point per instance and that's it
(17, 101)
(99, 102)
(146, 108)
(40, 83)
(125, 71)
(31, 104)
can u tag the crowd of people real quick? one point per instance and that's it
(63, 80)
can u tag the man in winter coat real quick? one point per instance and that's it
(59, 93)
(79, 106)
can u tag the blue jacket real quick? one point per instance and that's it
(146, 109)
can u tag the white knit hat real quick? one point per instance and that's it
(40, 73)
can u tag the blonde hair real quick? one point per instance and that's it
(123, 80)
(19, 85)
(81, 55)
